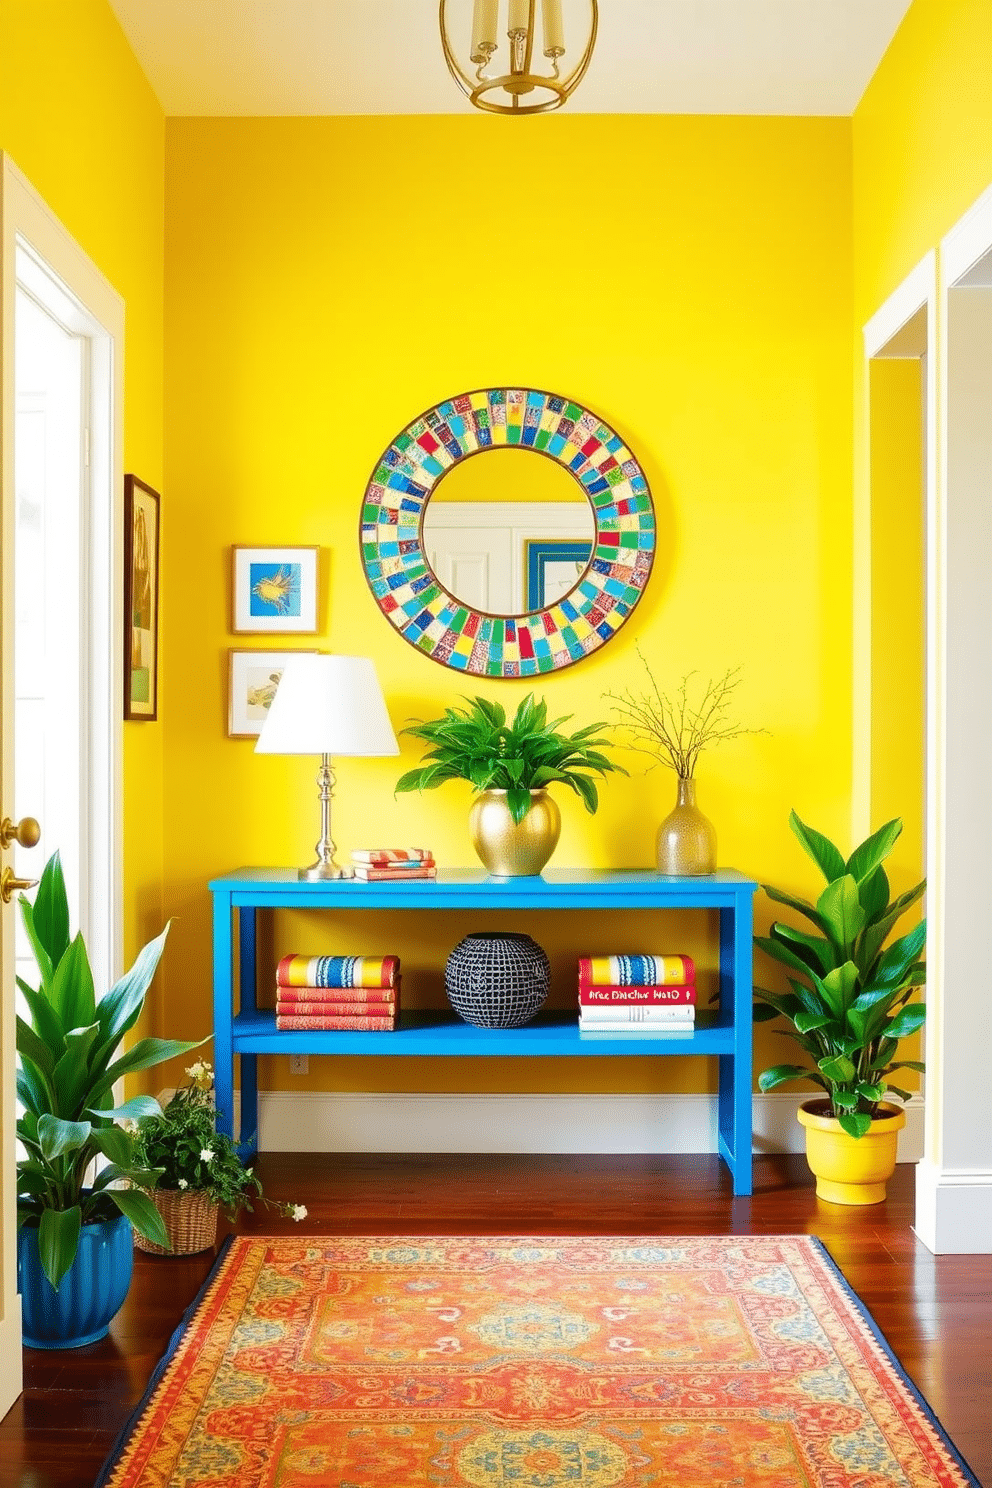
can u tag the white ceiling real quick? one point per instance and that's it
(278, 57)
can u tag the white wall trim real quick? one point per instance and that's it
(918, 289)
(322, 1121)
(954, 1209)
(968, 240)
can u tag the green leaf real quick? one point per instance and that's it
(856, 1124)
(841, 909)
(866, 858)
(56, 1136)
(838, 1069)
(897, 960)
(34, 1048)
(844, 1100)
(119, 1009)
(803, 906)
(44, 1018)
(873, 892)
(781, 952)
(51, 911)
(518, 799)
(809, 1022)
(907, 1021)
(826, 857)
(841, 984)
(817, 953)
(132, 1110)
(873, 1091)
(114, 1143)
(142, 1213)
(71, 993)
(41, 956)
(58, 1241)
(780, 1074)
(142, 1055)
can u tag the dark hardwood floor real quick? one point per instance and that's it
(936, 1312)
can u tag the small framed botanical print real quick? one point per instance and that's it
(275, 589)
(141, 522)
(254, 677)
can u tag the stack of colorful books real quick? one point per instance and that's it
(376, 864)
(359, 992)
(650, 995)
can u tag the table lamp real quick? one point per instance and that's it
(327, 705)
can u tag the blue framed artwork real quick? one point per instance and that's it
(553, 567)
(275, 589)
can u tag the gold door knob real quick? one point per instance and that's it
(27, 832)
(10, 884)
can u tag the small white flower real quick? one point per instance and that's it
(299, 1211)
(206, 1154)
(184, 1183)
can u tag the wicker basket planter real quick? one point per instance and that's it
(190, 1219)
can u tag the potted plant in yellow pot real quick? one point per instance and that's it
(514, 822)
(199, 1170)
(849, 1004)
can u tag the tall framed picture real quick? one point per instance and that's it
(141, 546)
(254, 677)
(275, 590)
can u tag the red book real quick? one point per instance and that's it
(673, 992)
(337, 1021)
(287, 996)
(286, 1009)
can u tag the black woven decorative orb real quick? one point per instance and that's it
(497, 980)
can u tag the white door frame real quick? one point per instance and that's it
(27, 224)
(954, 1182)
(905, 327)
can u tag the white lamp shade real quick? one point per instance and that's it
(328, 705)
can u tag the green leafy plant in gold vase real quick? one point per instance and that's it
(515, 823)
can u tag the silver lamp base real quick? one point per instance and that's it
(324, 872)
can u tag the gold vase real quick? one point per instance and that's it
(512, 849)
(686, 838)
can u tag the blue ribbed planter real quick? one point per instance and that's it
(89, 1295)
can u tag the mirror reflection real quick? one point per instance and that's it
(508, 531)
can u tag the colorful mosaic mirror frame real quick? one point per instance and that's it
(441, 626)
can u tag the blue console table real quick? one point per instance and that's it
(725, 1031)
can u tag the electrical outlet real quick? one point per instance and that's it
(299, 1064)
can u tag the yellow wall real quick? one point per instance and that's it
(687, 278)
(78, 118)
(922, 142)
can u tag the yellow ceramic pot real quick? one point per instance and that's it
(851, 1170)
(512, 849)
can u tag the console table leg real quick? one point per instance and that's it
(247, 925)
(223, 1013)
(735, 1070)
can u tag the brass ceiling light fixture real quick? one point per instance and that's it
(501, 78)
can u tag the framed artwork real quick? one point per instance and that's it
(275, 589)
(552, 568)
(141, 527)
(254, 677)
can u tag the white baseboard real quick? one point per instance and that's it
(11, 1378)
(321, 1121)
(954, 1209)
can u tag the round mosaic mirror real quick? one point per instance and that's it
(572, 590)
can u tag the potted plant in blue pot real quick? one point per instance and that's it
(74, 1244)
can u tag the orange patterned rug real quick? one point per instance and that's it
(531, 1363)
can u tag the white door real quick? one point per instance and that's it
(61, 335)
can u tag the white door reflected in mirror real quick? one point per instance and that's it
(508, 532)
